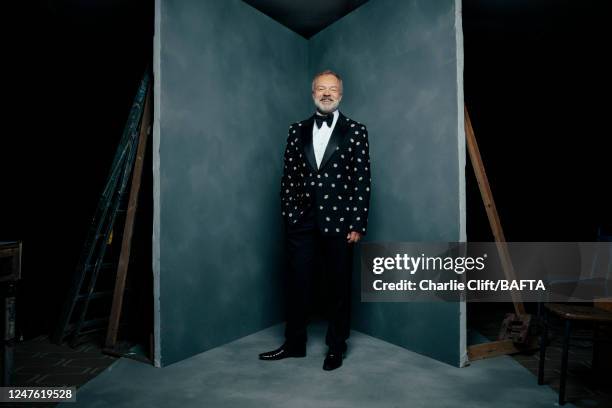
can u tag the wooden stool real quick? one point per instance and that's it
(569, 313)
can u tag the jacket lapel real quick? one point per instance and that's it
(307, 142)
(334, 140)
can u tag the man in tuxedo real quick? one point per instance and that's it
(325, 195)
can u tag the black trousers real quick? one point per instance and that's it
(304, 245)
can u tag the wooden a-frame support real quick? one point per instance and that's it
(506, 346)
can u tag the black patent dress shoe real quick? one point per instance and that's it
(283, 352)
(333, 360)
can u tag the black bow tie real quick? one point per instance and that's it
(319, 119)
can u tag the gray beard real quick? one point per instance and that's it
(326, 109)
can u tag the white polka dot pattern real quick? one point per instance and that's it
(347, 172)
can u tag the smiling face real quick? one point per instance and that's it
(327, 93)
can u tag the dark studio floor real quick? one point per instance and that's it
(41, 363)
(585, 387)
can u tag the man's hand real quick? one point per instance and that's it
(353, 237)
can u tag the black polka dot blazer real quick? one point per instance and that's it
(339, 189)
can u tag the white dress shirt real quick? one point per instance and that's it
(320, 137)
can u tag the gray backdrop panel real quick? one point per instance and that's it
(399, 65)
(229, 82)
(229, 77)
